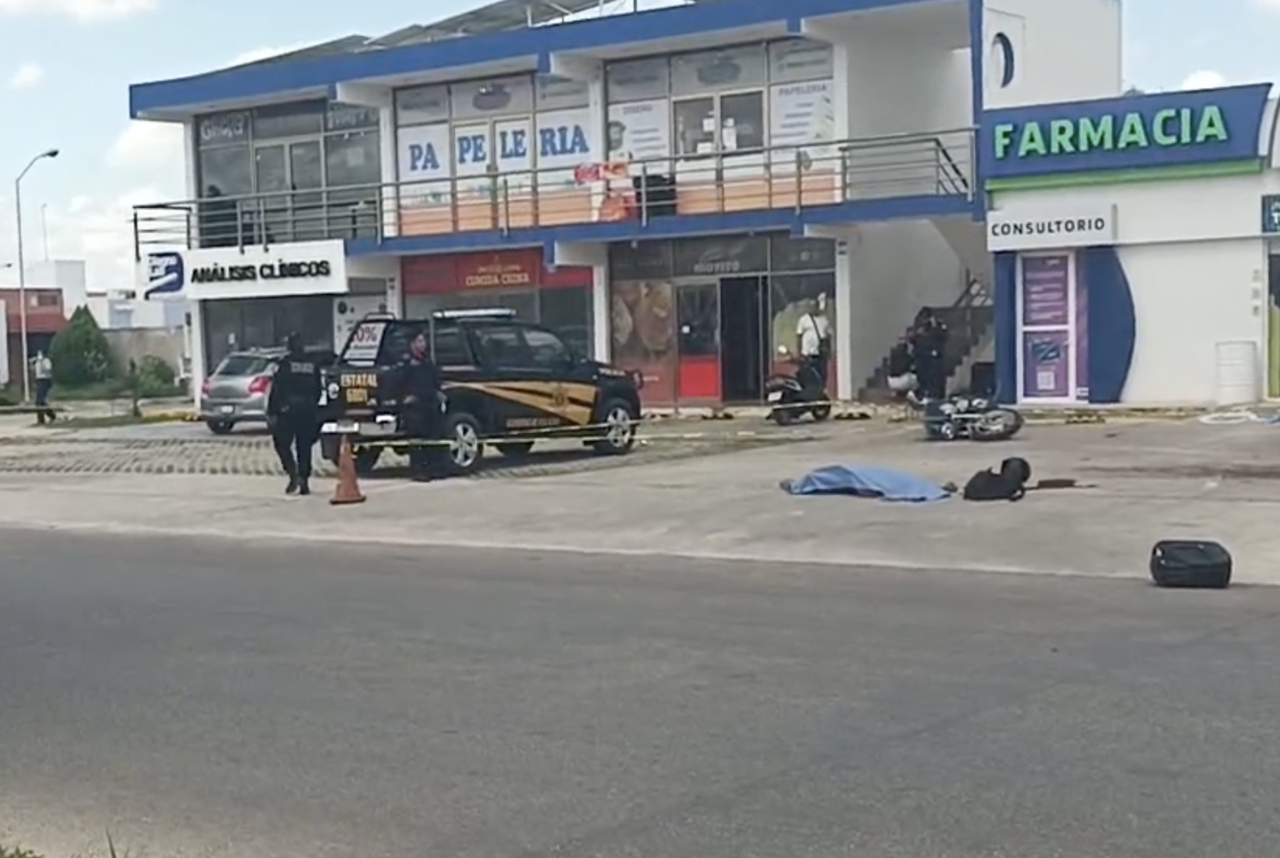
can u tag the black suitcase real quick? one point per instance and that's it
(1190, 563)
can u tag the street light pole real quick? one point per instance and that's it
(22, 271)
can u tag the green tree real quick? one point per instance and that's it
(80, 353)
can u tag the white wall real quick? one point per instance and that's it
(897, 268)
(1064, 50)
(1195, 260)
(900, 86)
(1187, 298)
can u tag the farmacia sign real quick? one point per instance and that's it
(1116, 132)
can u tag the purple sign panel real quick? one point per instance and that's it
(1046, 290)
(1046, 364)
(1081, 339)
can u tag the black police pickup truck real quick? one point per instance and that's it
(507, 382)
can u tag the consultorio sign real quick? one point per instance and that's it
(1045, 229)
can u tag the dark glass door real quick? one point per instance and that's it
(698, 328)
(743, 361)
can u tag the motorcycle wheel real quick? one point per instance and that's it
(947, 431)
(783, 416)
(998, 424)
(821, 412)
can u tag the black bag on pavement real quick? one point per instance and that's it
(1009, 484)
(1191, 564)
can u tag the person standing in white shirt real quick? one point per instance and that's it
(813, 344)
(42, 372)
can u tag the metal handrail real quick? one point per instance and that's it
(792, 176)
(974, 294)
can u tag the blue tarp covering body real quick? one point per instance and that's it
(867, 481)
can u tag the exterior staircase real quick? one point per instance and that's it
(970, 321)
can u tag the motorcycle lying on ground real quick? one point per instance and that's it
(973, 418)
(791, 397)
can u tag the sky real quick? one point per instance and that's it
(66, 67)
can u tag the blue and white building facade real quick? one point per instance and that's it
(671, 189)
(1135, 248)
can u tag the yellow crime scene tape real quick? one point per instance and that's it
(592, 434)
(600, 431)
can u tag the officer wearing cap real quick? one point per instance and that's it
(293, 409)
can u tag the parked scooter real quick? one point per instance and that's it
(791, 397)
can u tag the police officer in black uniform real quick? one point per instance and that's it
(293, 408)
(423, 410)
(930, 345)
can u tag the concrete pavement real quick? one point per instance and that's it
(220, 700)
(1149, 481)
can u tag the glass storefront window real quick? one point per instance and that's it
(567, 309)
(790, 297)
(353, 159)
(353, 165)
(637, 80)
(643, 330)
(286, 180)
(725, 68)
(695, 122)
(496, 97)
(742, 121)
(259, 323)
(422, 104)
(226, 171)
(288, 120)
(793, 60)
(222, 129)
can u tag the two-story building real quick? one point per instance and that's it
(671, 189)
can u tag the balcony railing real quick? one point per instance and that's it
(783, 177)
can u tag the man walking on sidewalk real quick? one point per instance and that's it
(42, 372)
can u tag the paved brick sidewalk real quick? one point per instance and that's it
(253, 456)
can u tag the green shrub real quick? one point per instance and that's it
(80, 353)
(155, 377)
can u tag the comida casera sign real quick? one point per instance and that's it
(1133, 132)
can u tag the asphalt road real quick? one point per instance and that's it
(210, 699)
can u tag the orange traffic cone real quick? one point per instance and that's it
(347, 491)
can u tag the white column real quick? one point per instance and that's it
(601, 320)
(198, 370)
(845, 387)
(191, 152)
(390, 199)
